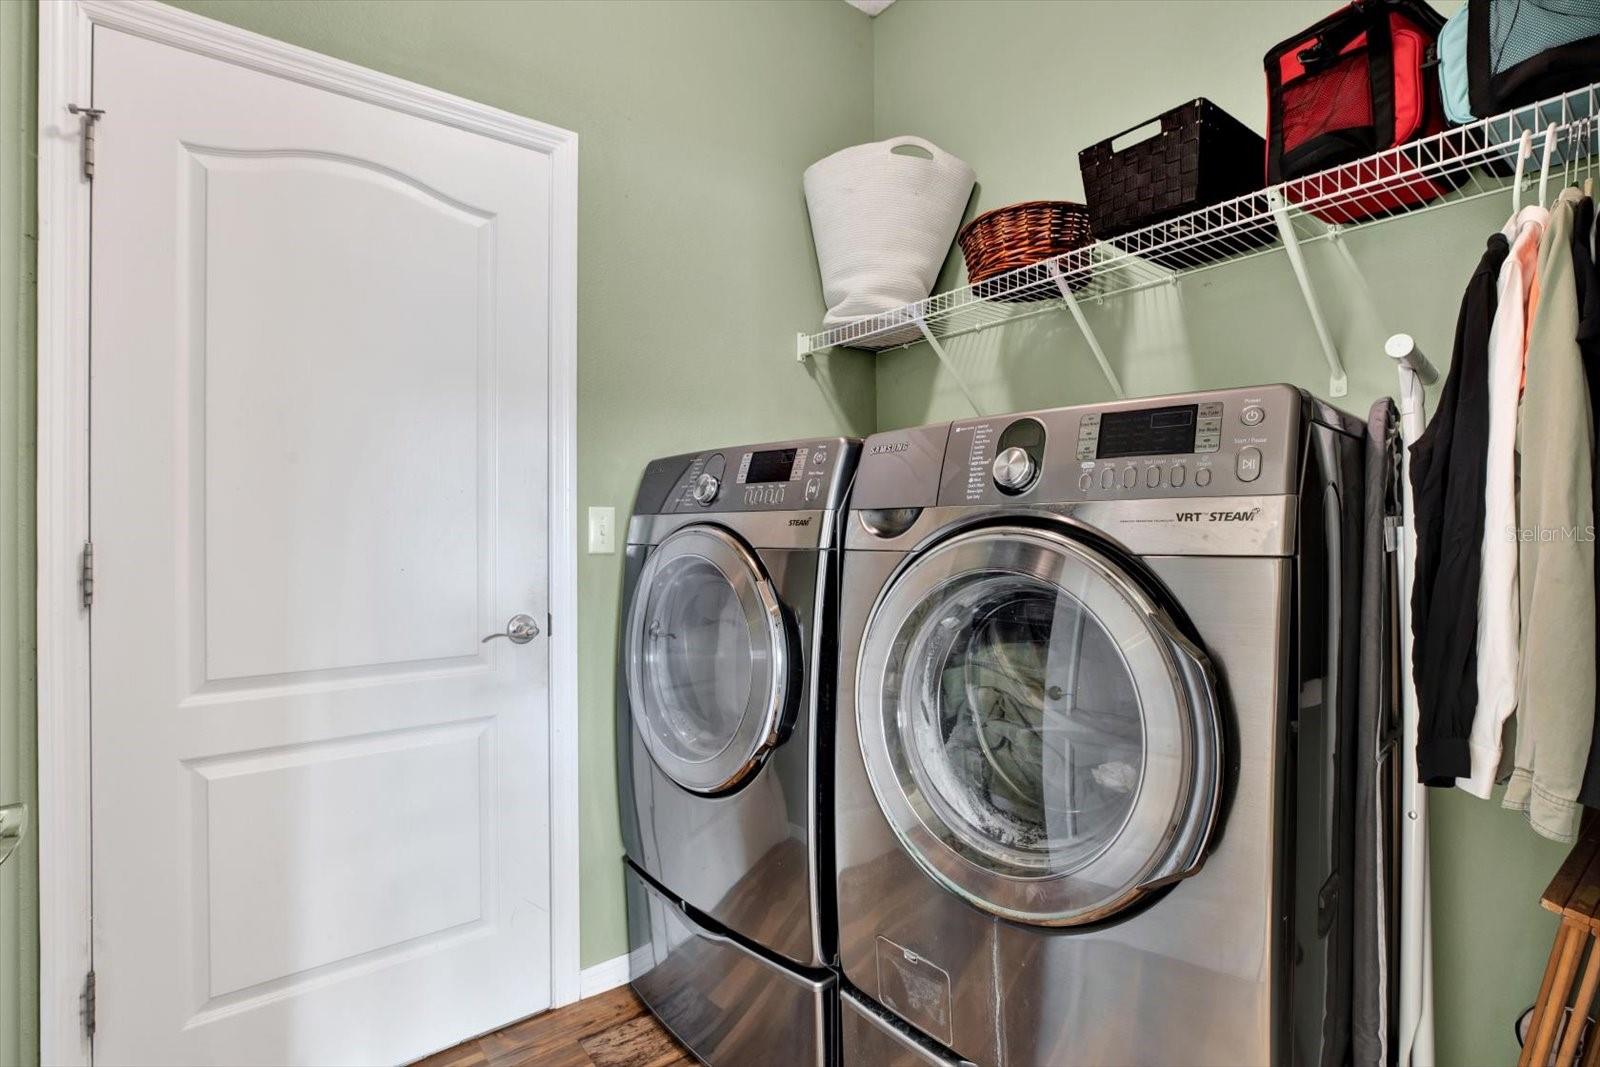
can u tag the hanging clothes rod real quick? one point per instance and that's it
(1416, 1048)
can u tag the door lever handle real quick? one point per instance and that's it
(520, 629)
(13, 824)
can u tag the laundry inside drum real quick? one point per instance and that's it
(1024, 724)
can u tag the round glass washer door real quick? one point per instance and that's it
(1039, 734)
(707, 659)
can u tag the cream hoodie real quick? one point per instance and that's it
(1555, 708)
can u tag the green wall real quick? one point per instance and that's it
(19, 900)
(1017, 89)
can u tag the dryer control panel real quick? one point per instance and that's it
(1237, 442)
(804, 475)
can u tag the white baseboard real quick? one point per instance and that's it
(603, 976)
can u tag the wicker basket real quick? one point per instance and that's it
(1021, 235)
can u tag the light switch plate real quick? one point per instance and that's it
(602, 531)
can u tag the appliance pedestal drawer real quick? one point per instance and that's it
(724, 1002)
(872, 1039)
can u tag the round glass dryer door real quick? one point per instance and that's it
(1039, 734)
(707, 659)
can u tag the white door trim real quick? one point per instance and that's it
(65, 56)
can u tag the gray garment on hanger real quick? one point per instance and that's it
(1555, 435)
(1377, 772)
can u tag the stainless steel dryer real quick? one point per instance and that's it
(727, 662)
(1093, 758)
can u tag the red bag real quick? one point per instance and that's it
(1356, 83)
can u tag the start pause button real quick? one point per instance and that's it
(1248, 464)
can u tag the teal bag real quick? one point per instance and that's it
(1455, 90)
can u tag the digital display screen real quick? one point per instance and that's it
(1151, 432)
(774, 466)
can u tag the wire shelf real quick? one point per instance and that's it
(1461, 164)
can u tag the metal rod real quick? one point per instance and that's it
(1083, 327)
(1338, 383)
(1416, 927)
(938, 350)
(1402, 348)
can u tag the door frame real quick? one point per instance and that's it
(64, 782)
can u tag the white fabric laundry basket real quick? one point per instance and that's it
(883, 221)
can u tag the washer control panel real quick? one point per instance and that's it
(783, 476)
(1230, 442)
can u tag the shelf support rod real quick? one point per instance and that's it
(1083, 327)
(1416, 935)
(1403, 350)
(1338, 383)
(944, 357)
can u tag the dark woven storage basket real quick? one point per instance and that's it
(1021, 235)
(1201, 156)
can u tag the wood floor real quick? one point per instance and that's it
(612, 1029)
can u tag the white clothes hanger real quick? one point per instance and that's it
(1544, 167)
(1524, 150)
(1569, 166)
(1582, 149)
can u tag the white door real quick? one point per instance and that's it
(318, 480)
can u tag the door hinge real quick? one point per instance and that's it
(88, 1004)
(86, 574)
(90, 116)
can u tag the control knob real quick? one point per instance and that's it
(706, 488)
(1014, 469)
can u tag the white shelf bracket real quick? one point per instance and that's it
(1083, 327)
(1338, 383)
(944, 357)
(802, 347)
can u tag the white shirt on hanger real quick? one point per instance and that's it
(1499, 609)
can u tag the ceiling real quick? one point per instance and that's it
(871, 7)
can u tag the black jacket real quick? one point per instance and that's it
(1448, 465)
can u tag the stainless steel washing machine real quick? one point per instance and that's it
(727, 662)
(1094, 734)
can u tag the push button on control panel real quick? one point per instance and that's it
(1089, 435)
(1208, 427)
(1130, 477)
(1252, 416)
(1248, 464)
(1085, 482)
(1180, 474)
(1108, 477)
(1152, 477)
(1202, 477)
